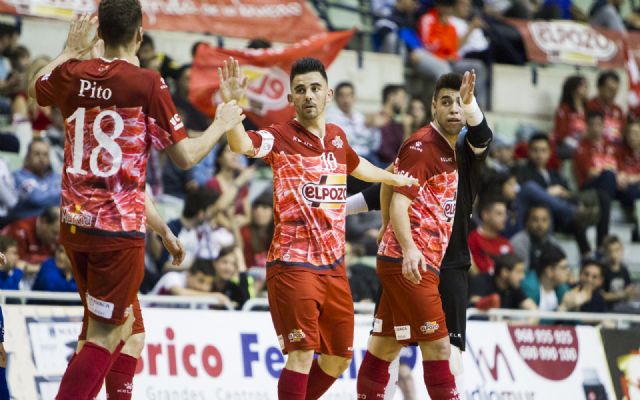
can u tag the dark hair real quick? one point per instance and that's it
(550, 255)
(199, 200)
(18, 52)
(536, 206)
(306, 65)
(50, 215)
(225, 251)
(7, 30)
(119, 20)
(589, 262)
(6, 242)
(220, 148)
(259, 43)
(147, 40)
(594, 113)
(451, 81)
(343, 85)
(487, 203)
(609, 240)
(202, 265)
(264, 199)
(539, 136)
(194, 48)
(445, 3)
(389, 90)
(568, 89)
(606, 75)
(505, 261)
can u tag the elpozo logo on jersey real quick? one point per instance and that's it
(330, 192)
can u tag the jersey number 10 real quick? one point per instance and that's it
(105, 142)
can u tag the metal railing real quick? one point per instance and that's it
(23, 296)
(620, 320)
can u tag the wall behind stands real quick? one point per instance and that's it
(46, 37)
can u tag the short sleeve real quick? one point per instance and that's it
(264, 141)
(353, 160)
(164, 124)
(50, 87)
(411, 162)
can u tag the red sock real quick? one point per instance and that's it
(86, 371)
(120, 379)
(441, 384)
(319, 382)
(373, 377)
(112, 359)
(292, 385)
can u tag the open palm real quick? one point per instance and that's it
(468, 86)
(233, 85)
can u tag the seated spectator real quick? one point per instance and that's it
(55, 274)
(628, 177)
(546, 282)
(390, 123)
(472, 41)
(605, 103)
(363, 140)
(391, 18)
(529, 242)
(502, 185)
(159, 62)
(230, 280)
(502, 289)
(257, 235)
(8, 195)
(606, 14)
(37, 185)
(570, 123)
(541, 185)
(196, 281)
(586, 296)
(36, 237)
(55, 135)
(486, 242)
(418, 114)
(194, 120)
(502, 158)
(438, 54)
(10, 273)
(617, 286)
(363, 280)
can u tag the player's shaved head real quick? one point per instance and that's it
(447, 81)
(119, 21)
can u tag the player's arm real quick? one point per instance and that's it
(479, 136)
(190, 151)
(157, 224)
(79, 42)
(233, 86)
(412, 259)
(365, 171)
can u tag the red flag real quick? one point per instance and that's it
(632, 65)
(267, 71)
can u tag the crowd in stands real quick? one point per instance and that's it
(534, 193)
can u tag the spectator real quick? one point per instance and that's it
(37, 185)
(36, 237)
(586, 296)
(617, 286)
(540, 185)
(486, 242)
(595, 167)
(570, 123)
(160, 62)
(628, 177)
(546, 282)
(606, 14)
(502, 157)
(363, 280)
(560, 9)
(390, 122)
(177, 182)
(230, 278)
(8, 195)
(259, 43)
(196, 281)
(439, 52)
(11, 272)
(604, 102)
(506, 186)
(503, 288)
(257, 235)
(55, 274)
(55, 135)
(472, 41)
(529, 242)
(362, 139)
(193, 119)
(418, 114)
(392, 18)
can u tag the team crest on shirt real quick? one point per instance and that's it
(329, 193)
(337, 142)
(417, 146)
(296, 335)
(429, 327)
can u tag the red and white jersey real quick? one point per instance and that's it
(428, 157)
(114, 111)
(310, 192)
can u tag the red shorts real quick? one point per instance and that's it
(312, 312)
(138, 324)
(409, 312)
(108, 281)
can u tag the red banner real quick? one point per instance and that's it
(267, 71)
(282, 21)
(633, 74)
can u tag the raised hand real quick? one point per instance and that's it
(228, 115)
(82, 36)
(233, 84)
(468, 86)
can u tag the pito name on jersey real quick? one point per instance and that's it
(330, 192)
(79, 218)
(93, 91)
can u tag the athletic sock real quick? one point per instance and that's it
(441, 384)
(319, 382)
(119, 380)
(373, 377)
(87, 370)
(112, 359)
(292, 385)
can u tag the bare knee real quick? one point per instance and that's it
(134, 345)
(384, 348)
(436, 350)
(109, 335)
(333, 365)
(300, 361)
